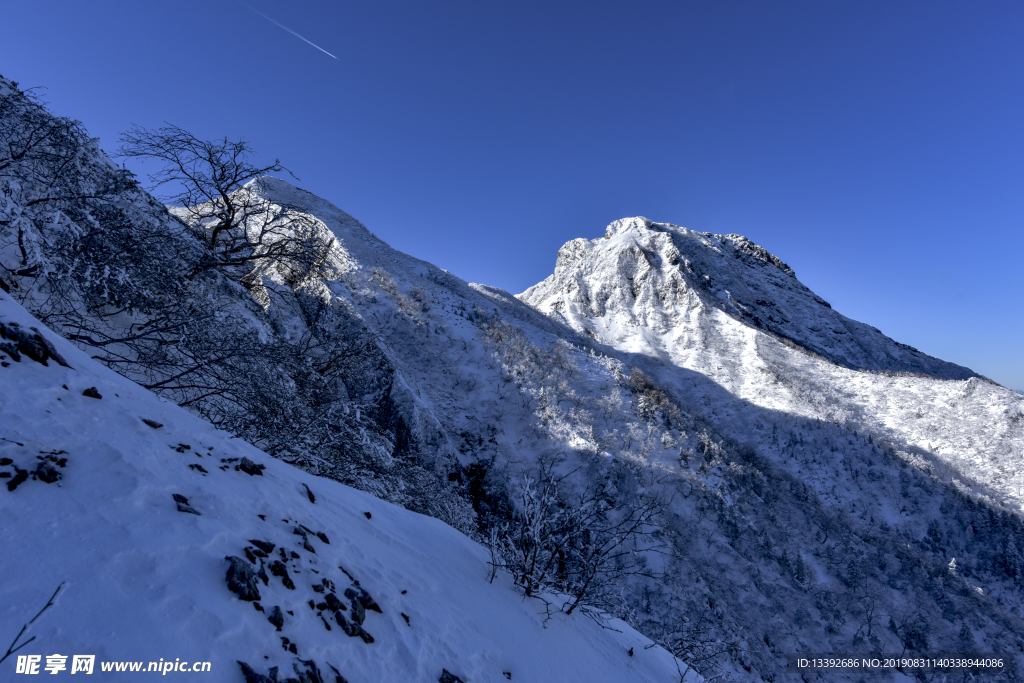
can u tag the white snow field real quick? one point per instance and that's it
(141, 581)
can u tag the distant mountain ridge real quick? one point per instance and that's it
(671, 270)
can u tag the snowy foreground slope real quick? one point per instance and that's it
(143, 581)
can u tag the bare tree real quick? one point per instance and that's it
(15, 644)
(869, 601)
(43, 152)
(699, 642)
(911, 626)
(581, 544)
(209, 188)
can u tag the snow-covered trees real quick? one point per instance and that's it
(577, 542)
(41, 156)
(220, 308)
(50, 172)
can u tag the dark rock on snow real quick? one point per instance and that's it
(338, 677)
(45, 471)
(34, 350)
(346, 625)
(32, 344)
(183, 505)
(352, 629)
(358, 612)
(241, 579)
(265, 546)
(12, 351)
(20, 476)
(50, 349)
(311, 674)
(262, 574)
(251, 468)
(276, 617)
(252, 677)
(359, 593)
(333, 603)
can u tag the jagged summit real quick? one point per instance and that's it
(739, 241)
(669, 279)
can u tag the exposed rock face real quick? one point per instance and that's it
(242, 580)
(250, 468)
(32, 344)
(668, 280)
(276, 617)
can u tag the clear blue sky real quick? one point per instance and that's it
(877, 147)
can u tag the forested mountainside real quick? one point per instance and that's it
(671, 429)
(737, 319)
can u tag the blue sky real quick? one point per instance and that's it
(876, 147)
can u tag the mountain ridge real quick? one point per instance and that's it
(722, 272)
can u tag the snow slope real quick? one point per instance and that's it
(142, 580)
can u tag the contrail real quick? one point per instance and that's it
(289, 30)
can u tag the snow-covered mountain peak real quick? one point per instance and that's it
(284, 194)
(748, 247)
(625, 225)
(638, 227)
(668, 280)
